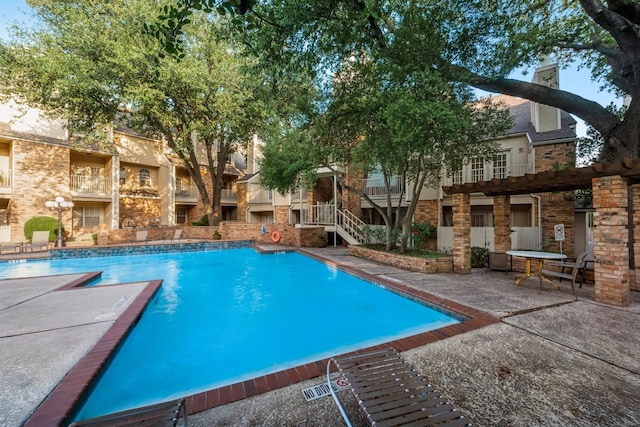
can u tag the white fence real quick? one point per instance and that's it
(521, 238)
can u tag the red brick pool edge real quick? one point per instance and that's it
(58, 406)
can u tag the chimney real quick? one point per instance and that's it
(546, 118)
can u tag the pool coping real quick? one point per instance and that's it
(59, 405)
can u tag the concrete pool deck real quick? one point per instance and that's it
(549, 361)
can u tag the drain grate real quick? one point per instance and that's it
(322, 390)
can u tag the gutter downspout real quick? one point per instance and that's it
(539, 218)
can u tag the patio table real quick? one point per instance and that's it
(540, 257)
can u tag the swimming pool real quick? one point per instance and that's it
(224, 316)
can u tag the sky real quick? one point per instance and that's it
(571, 80)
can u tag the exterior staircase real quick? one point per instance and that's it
(349, 227)
(341, 221)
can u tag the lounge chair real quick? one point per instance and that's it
(392, 392)
(161, 414)
(9, 246)
(141, 236)
(177, 235)
(39, 241)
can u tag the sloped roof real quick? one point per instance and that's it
(520, 110)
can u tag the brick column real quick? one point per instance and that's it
(350, 200)
(242, 188)
(502, 223)
(461, 233)
(634, 273)
(282, 215)
(427, 211)
(611, 250)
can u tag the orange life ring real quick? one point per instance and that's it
(275, 237)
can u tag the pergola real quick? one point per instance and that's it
(616, 200)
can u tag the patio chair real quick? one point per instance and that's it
(141, 236)
(392, 392)
(500, 261)
(586, 257)
(39, 241)
(177, 235)
(575, 267)
(160, 414)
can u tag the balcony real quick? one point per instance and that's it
(93, 185)
(374, 187)
(187, 192)
(229, 196)
(6, 182)
(486, 173)
(261, 197)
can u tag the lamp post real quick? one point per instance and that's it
(59, 204)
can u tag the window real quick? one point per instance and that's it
(500, 166)
(477, 220)
(457, 177)
(123, 175)
(144, 178)
(86, 216)
(477, 169)
(181, 215)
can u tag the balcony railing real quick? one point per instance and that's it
(487, 173)
(90, 184)
(261, 196)
(374, 187)
(229, 195)
(323, 214)
(6, 178)
(187, 192)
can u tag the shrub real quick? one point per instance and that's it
(204, 221)
(479, 257)
(41, 223)
(421, 231)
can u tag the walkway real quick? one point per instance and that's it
(550, 361)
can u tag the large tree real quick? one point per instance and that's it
(394, 120)
(480, 44)
(93, 63)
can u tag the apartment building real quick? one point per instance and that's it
(123, 180)
(542, 138)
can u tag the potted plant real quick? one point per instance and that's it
(217, 235)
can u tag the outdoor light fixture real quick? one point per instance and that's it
(59, 204)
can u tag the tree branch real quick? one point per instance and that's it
(591, 112)
(619, 26)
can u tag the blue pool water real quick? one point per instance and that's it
(225, 316)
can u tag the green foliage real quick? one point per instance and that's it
(479, 257)
(589, 147)
(203, 222)
(583, 198)
(422, 231)
(41, 223)
(94, 237)
(471, 42)
(88, 62)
